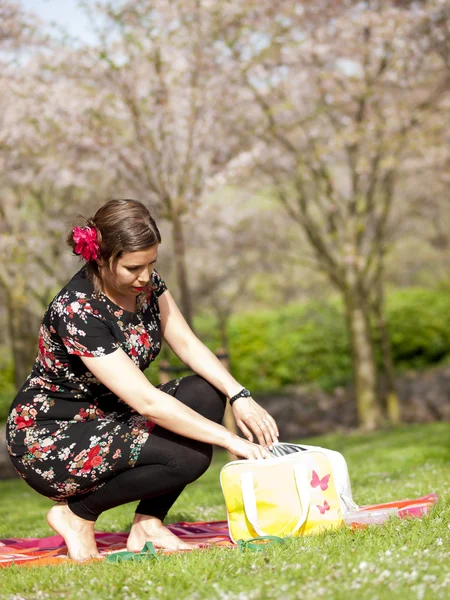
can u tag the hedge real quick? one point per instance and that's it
(419, 322)
(307, 343)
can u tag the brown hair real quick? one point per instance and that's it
(121, 226)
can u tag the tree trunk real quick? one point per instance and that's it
(180, 265)
(228, 419)
(223, 330)
(364, 367)
(23, 332)
(392, 401)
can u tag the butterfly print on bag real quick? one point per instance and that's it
(323, 508)
(316, 481)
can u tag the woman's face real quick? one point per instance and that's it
(130, 273)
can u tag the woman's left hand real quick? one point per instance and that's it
(250, 417)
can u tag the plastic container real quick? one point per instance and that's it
(370, 517)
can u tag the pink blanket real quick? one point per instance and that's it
(52, 550)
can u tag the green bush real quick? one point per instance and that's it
(297, 344)
(307, 343)
(7, 389)
(419, 326)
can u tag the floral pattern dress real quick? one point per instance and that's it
(67, 433)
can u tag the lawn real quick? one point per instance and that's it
(402, 559)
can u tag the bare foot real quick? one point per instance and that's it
(77, 532)
(150, 529)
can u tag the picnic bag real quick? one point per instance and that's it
(301, 490)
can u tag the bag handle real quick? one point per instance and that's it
(249, 497)
(252, 545)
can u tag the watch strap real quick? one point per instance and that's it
(244, 393)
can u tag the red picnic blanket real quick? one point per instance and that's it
(52, 550)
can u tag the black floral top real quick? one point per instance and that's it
(66, 431)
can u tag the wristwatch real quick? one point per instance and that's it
(244, 393)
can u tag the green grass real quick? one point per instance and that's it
(402, 559)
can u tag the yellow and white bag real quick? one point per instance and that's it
(300, 491)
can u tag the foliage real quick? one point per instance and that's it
(7, 389)
(307, 343)
(403, 559)
(420, 326)
(341, 110)
(337, 129)
(296, 344)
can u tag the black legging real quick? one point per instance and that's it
(166, 464)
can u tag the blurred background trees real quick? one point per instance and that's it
(295, 155)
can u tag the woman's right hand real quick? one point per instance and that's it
(245, 449)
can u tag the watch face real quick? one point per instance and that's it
(244, 393)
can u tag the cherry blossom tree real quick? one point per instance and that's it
(41, 190)
(158, 106)
(338, 109)
(246, 244)
(343, 98)
(17, 33)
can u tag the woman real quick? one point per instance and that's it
(88, 429)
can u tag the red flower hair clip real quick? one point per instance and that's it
(86, 244)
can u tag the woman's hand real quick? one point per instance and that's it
(244, 449)
(250, 417)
